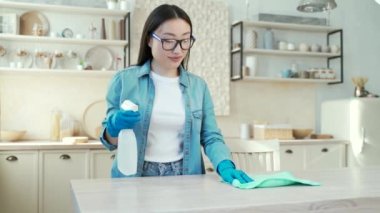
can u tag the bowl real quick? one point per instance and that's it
(301, 133)
(11, 135)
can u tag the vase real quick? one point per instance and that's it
(268, 39)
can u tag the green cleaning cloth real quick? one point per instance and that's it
(273, 180)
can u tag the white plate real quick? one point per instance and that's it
(99, 58)
(41, 63)
(93, 116)
(70, 61)
(26, 60)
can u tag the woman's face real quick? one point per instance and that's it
(177, 29)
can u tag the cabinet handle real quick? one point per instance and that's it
(12, 158)
(289, 151)
(210, 169)
(65, 157)
(325, 150)
(112, 156)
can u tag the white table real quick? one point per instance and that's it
(342, 190)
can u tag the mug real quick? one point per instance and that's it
(286, 73)
(282, 45)
(303, 47)
(325, 48)
(335, 48)
(315, 48)
(291, 46)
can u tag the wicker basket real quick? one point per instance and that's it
(281, 132)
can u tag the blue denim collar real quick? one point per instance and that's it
(183, 74)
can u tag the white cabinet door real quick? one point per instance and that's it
(325, 156)
(292, 157)
(312, 156)
(57, 168)
(101, 163)
(18, 181)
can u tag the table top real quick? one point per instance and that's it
(343, 190)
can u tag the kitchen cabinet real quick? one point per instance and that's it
(57, 168)
(66, 52)
(267, 57)
(101, 163)
(18, 181)
(309, 156)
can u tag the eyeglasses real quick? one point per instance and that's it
(171, 44)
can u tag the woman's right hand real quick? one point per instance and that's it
(121, 119)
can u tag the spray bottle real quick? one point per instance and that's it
(127, 145)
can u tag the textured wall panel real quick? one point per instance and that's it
(210, 54)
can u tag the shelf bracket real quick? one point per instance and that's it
(340, 31)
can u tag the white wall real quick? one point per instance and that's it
(297, 104)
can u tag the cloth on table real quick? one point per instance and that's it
(273, 180)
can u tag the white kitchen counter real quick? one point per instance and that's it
(341, 190)
(95, 144)
(46, 145)
(298, 141)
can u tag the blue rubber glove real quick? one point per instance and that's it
(122, 119)
(226, 169)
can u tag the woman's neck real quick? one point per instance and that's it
(163, 71)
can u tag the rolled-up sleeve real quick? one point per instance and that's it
(113, 104)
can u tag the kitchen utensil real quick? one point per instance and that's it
(93, 116)
(301, 133)
(36, 20)
(99, 58)
(11, 135)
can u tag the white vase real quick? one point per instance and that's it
(250, 39)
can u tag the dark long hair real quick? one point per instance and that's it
(158, 16)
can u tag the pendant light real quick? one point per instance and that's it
(311, 6)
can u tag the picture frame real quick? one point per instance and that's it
(9, 23)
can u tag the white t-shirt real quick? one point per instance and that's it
(167, 122)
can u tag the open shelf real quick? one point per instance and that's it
(287, 26)
(60, 8)
(290, 80)
(286, 53)
(44, 39)
(35, 71)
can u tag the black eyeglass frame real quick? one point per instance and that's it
(192, 40)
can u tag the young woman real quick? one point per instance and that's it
(176, 114)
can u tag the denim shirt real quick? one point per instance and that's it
(135, 84)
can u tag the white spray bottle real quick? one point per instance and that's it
(127, 145)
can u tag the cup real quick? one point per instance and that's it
(291, 46)
(79, 36)
(286, 73)
(123, 5)
(111, 4)
(315, 48)
(325, 48)
(20, 64)
(12, 64)
(245, 131)
(303, 47)
(53, 34)
(335, 48)
(282, 45)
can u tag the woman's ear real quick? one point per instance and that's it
(150, 40)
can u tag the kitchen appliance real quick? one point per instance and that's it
(356, 120)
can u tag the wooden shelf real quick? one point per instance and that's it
(290, 80)
(44, 39)
(35, 71)
(290, 53)
(287, 26)
(63, 9)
